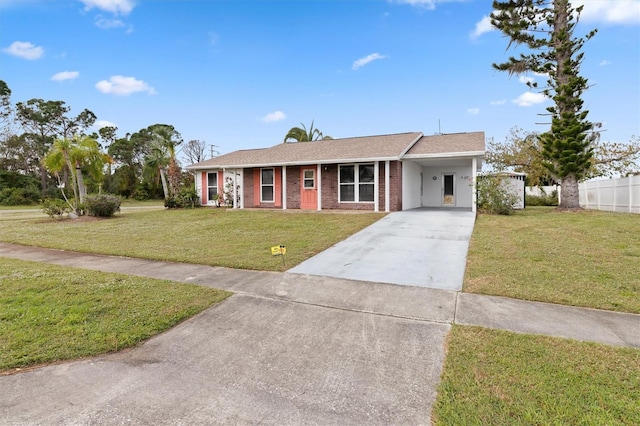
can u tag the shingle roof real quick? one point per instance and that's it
(366, 148)
(449, 143)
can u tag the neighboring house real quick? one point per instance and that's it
(378, 173)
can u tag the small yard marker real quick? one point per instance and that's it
(279, 251)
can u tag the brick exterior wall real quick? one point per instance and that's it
(330, 189)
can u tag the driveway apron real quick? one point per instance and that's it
(419, 247)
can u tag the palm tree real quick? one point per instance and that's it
(156, 162)
(70, 156)
(165, 139)
(301, 134)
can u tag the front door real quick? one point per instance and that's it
(448, 190)
(308, 189)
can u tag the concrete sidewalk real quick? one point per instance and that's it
(417, 303)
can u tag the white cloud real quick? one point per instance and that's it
(482, 26)
(65, 75)
(604, 62)
(117, 7)
(106, 23)
(500, 102)
(274, 116)
(474, 111)
(529, 99)
(610, 11)
(427, 4)
(364, 61)
(99, 124)
(24, 50)
(122, 86)
(525, 79)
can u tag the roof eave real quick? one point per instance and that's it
(445, 155)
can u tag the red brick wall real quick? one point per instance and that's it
(293, 187)
(329, 189)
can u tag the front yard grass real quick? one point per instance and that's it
(494, 377)
(50, 313)
(218, 237)
(588, 258)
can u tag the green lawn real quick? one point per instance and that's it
(587, 258)
(496, 377)
(218, 237)
(50, 313)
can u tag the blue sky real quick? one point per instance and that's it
(239, 73)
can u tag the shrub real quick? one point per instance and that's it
(102, 205)
(19, 196)
(542, 200)
(54, 207)
(494, 196)
(187, 199)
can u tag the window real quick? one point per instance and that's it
(356, 183)
(266, 185)
(309, 179)
(212, 186)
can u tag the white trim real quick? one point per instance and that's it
(272, 184)
(404, 152)
(319, 186)
(444, 155)
(284, 187)
(387, 185)
(241, 174)
(356, 183)
(376, 184)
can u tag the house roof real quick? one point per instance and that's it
(454, 143)
(358, 149)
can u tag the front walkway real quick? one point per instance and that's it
(419, 247)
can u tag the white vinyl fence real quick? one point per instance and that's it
(616, 195)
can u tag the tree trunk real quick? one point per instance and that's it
(82, 189)
(570, 193)
(165, 188)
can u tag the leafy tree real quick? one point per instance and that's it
(6, 109)
(301, 134)
(546, 27)
(44, 121)
(522, 152)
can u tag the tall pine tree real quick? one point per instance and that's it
(546, 28)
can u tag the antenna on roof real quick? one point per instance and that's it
(439, 130)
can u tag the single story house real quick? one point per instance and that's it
(377, 173)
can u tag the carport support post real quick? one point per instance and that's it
(376, 183)
(474, 179)
(387, 185)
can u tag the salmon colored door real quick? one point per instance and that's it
(308, 189)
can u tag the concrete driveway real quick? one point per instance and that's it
(419, 247)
